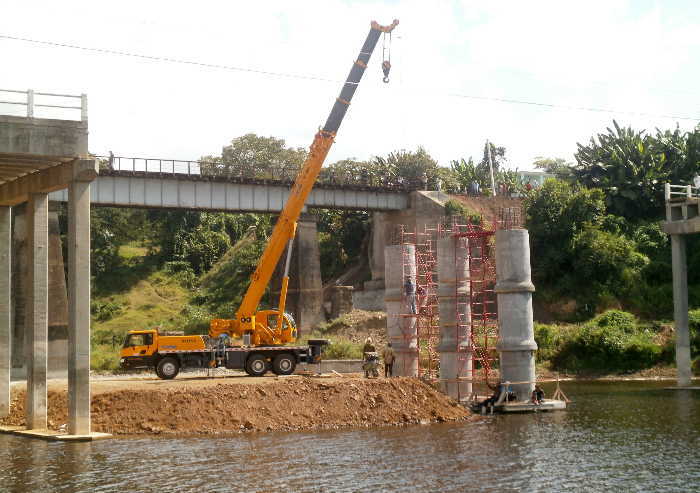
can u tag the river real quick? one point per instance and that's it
(615, 436)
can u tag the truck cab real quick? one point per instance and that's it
(138, 349)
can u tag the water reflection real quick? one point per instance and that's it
(616, 436)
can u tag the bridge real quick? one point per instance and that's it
(177, 184)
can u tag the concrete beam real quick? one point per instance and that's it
(36, 330)
(79, 308)
(48, 180)
(5, 308)
(680, 309)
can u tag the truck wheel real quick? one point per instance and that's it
(256, 365)
(168, 368)
(284, 364)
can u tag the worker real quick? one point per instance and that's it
(388, 356)
(537, 395)
(368, 348)
(410, 291)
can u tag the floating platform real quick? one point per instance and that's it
(521, 407)
(690, 387)
(529, 407)
(51, 435)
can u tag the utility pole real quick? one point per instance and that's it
(488, 153)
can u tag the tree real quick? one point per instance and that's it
(631, 167)
(559, 167)
(255, 156)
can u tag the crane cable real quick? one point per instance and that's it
(386, 57)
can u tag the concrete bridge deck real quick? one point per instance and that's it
(221, 193)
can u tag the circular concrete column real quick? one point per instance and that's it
(516, 342)
(400, 261)
(455, 316)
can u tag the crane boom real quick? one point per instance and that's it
(284, 230)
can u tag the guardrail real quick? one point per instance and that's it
(47, 100)
(284, 175)
(680, 191)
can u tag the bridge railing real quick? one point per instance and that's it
(32, 100)
(680, 192)
(284, 175)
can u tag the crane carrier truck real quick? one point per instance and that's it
(258, 340)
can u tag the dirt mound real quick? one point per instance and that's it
(357, 325)
(489, 207)
(281, 404)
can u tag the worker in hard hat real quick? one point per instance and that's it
(368, 348)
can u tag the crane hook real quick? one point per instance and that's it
(386, 67)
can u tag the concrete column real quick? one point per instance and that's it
(400, 261)
(5, 308)
(305, 290)
(79, 308)
(516, 342)
(36, 327)
(680, 310)
(455, 317)
(341, 300)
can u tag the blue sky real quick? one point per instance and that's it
(631, 56)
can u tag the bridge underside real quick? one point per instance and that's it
(187, 192)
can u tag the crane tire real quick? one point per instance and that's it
(168, 368)
(284, 364)
(256, 365)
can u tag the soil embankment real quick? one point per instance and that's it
(238, 404)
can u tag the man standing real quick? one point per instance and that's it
(410, 291)
(388, 357)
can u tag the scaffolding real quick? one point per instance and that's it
(477, 307)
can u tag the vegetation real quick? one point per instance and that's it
(594, 233)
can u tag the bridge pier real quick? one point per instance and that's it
(36, 327)
(5, 308)
(79, 308)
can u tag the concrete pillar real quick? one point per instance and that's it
(680, 310)
(516, 342)
(5, 308)
(305, 290)
(455, 317)
(36, 327)
(400, 261)
(79, 308)
(341, 300)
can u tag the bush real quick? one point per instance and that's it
(456, 208)
(342, 349)
(103, 311)
(547, 338)
(104, 358)
(616, 320)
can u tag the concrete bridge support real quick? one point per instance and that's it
(400, 261)
(455, 317)
(514, 288)
(305, 291)
(680, 310)
(5, 308)
(79, 308)
(36, 327)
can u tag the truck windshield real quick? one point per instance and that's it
(138, 340)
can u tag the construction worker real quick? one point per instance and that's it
(388, 356)
(410, 291)
(368, 348)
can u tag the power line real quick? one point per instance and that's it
(324, 79)
(169, 60)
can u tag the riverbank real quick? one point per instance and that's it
(233, 404)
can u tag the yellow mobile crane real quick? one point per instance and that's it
(262, 334)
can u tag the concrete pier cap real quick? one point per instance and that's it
(516, 343)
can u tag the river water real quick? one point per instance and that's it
(615, 436)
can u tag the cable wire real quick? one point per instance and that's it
(325, 79)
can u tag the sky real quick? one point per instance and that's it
(450, 59)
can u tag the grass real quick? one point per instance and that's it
(146, 297)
